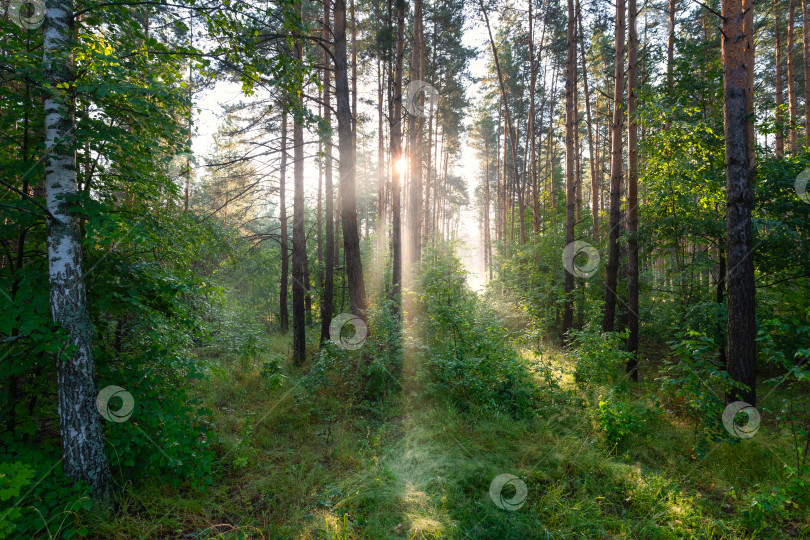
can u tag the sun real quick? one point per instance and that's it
(402, 165)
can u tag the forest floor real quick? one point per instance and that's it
(291, 464)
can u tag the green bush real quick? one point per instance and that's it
(694, 385)
(467, 353)
(599, 357)
(618, 419)
(271, 371)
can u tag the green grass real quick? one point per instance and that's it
(291, 465)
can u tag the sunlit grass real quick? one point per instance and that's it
(293, 465)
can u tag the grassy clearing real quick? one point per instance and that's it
(291, 465)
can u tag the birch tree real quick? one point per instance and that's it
(79, 421)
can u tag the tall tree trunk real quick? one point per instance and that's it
(498, 194)
(611, 280)
(749, 30)
(570, 157)
(380, 164)
(329, 259)
(791, 82)
(83, 456)
(739, 242)
(552, 150)
(577, 148)
(530, 131)
(720, 293)
(671, 56)
(415, 125)
(190, 118)
(348, 198)
(354, 83)
(487, 240)
(806, 56)
(396, 154)
(507, 115)
(779, 98)
(591, 148)
(428, 181)
(299, 251)
(632, 192)
(319, 208)
(284, 316)
(307, 291)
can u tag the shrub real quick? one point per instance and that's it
(694, 385)
(619, 418)
(468, 356)
(271, 371)
(599, 357)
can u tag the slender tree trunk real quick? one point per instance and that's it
(307, 291)
(436, 181)
(354, 82)
(507, 115)
(498, 194)
(791, 82)
(428, 181)
(632, 193)
(739, 242)
(299, 250)
(190, 118)
(577, 148)
(721, 289)
(591, 147)
(779, 97)
(570, 157)
(552, 150)
(487, 240)
(615, 174)
(329, 259)
(319, 209)
(749, 30)
(530, 131)
(83, 455)
(348, 198)
(396, 154)
(806, 56)
(284, 317)
(380, 164)
(415, 125)
(671, 56)
(505, 191)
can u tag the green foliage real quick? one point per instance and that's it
(619, 419)
(38, 500)
(694, 386)
(271, 371)
(599, 357)
(774, 504)
(238, 334)
(466, 349)
(381, 367)
(13, 478)
(370, 374)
